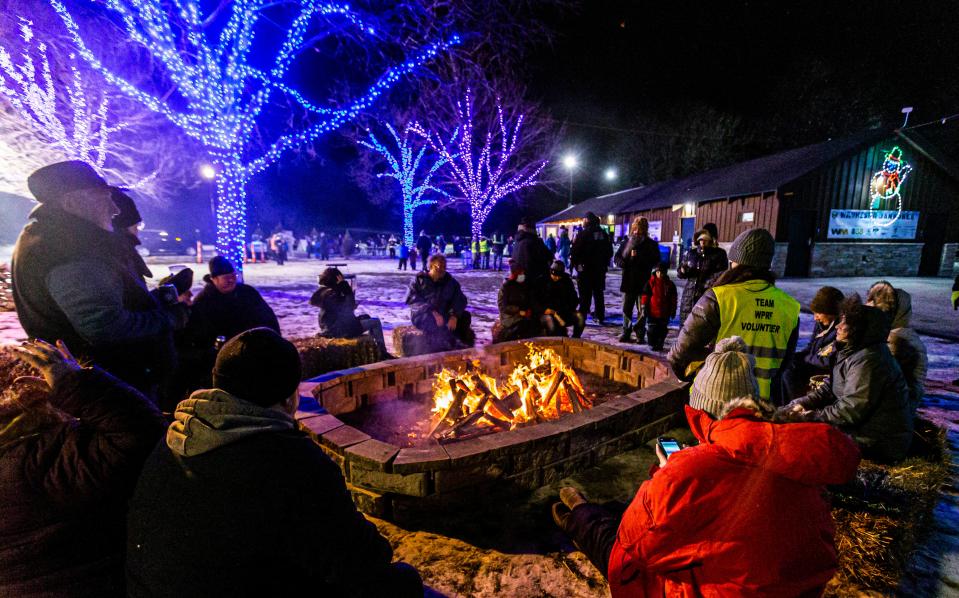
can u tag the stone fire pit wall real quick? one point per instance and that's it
(378, 473)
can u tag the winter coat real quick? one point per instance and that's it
(908, 349)
(560, 296)
(531, 254)
(867, 396)
(336, 311)
(133, 258)
(227, 315)
(699, 268)
(424, 244)
(591, 251)
(404, 251)
(740, 514)
(820, 354)
(563, 246)
(636, 268)
(513, 298)
(238, 502)
(73, 281)
(659, 297)
(64, 485)
(550, 243)
(443, 296)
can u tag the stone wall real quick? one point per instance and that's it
(381, 475)
(949, 264)
(865, 259)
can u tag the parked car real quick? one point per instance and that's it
(160, 242)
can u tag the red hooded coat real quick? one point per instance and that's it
(741, 514)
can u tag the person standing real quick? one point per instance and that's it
(324, 243)
(659, 305)
(637, 256)
(698, 268)
(404, 255)
(72, 281)
(745, 302)
(423, 246)
(484, 249)
(498, 244)
(589, 257)
(391, 246)
(563, 245)
(235, 455)
(126, 223)
(551, 244)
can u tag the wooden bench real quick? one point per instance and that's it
(319, 355)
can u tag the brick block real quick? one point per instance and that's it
(372, 454)
(371, 503)
(530, 479)
(369, 384)
(406, 375)
(414, 484)
(449, 480)
(416, 460)
(337, 457)
(555, 472)
(317, 425)
(343, 437)
(390, 393)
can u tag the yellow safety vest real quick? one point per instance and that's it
(765, 317)
(476, 247)
(484, 246)
(955, 297)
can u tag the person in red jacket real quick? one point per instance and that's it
(740, 514)
(658, 301)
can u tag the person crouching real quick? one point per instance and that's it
(517, 313)
(741, 513)
(658, 301)
(560, 302)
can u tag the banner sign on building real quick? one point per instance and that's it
(872, 224)
(656, 230)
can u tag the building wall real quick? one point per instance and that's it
(949, 264)
(670, 220)
(727, 214)
(864, 259)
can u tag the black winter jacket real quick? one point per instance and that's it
(560, 296)
(867, 396)
(531, 254)
(336, 318)
(699, 268)
(64, 488)
(513, 298)
(591, 251)
(215, 314)
(423, 245)
(443, 296)
(636, 268)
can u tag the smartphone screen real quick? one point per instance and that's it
(669, 447)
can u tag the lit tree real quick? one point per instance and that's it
(220, 93)
(483, 170)
(404, 166)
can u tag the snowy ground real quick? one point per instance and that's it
(381, 290)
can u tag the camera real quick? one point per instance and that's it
(167, 295)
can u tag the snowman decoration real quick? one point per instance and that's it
(886, 184)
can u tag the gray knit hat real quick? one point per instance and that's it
(754, 248)
(727, 375)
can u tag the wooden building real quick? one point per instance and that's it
(879, 203)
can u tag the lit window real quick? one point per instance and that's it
(748, 216)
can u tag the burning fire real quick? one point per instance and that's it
(471, 403)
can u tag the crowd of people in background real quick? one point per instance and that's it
(105, 495)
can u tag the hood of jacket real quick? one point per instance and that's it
(877, 329)
(212, 418)
(903, 310)
(807, 453)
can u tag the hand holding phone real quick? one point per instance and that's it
(667, 445)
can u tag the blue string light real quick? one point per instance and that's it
(486, 177)
(403, 167)
(223, 95)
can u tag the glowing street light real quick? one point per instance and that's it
(610, 174)
(570, 163)
(208, 172)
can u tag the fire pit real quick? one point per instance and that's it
(523, 414)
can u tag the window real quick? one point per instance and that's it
(747, 216)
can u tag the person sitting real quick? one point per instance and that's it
(336, 301)
(819, 356)
(903, 340)
(560, 302)
(658, 302)
(268, 512)
(225, 307)
(866, 395)
(518, 317)
(71, 447)
(438, 307)
(740, 514)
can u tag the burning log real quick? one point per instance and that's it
(513, 400)
(573, 397)
(531, 409)
(553, 387)
(455, 410)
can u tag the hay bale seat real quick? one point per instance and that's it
(12, 368)
(882, 515)
(6, 289)
(319, 355)
(410, 340)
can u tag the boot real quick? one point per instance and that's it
(625, 336)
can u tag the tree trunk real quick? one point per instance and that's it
(231, 213)
(408, 223)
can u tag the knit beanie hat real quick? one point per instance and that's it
(754, 248)
(129, 215)
(258, 366)
(713, 231)
(219, 265)
(826, 301)
(726, 375)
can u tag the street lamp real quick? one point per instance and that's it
(208, 172)
(570, 163)
(610, 174)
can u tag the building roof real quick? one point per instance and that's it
(745, 178)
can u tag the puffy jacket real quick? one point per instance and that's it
(699, 268)
(908, 349)
(591, 250)
(561, 297)
(443, 296)
(822, 350)
(64, 486)
(531, 254)
(659, 297)
(867, 396)
(217, 314)
(636, 268)
(741, 514)
(336, 318)
(513, 298)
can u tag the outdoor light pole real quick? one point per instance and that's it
(569, 161)
(610, 175)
